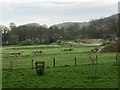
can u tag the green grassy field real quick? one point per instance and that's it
(65, 74)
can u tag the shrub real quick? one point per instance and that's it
(22, 43)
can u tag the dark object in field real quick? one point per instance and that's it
(47, 67)
(32, 64)
(54, 62)
(39, 67)
(96, 60)
(68, 49)
(37, 52)
(66, 65)
(75, 61)
(16, 54)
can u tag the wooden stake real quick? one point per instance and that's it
(54, 62)
(32, 64)
(96, 59)
(75, 61)
(11, 65)
(116, 58)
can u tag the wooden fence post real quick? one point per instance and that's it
(116, 58)
(92, 62)
(90, 55)
(96, 59)
(54, 62)
(32, 64)
(75, 61)
(11, 65)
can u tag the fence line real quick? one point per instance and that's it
(94, 61)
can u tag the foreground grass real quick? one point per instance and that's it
(66, 77)
(65, 74)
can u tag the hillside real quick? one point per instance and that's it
(68, 24)
(99, 22)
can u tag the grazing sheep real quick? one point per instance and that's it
(16, 54)
(12, 54)
(68, 49)
(37, 52)
(95, 50)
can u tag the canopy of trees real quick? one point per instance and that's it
(36, 34)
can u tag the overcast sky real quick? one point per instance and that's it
(51, 12)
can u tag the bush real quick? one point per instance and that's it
(22, 43)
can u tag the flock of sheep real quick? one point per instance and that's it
(20, 54)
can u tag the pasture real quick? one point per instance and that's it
(19, 73)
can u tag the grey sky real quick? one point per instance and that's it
(50, 12)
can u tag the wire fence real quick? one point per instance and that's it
(62, 60)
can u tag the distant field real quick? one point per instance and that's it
(65, 74)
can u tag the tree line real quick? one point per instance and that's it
(104, 28)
